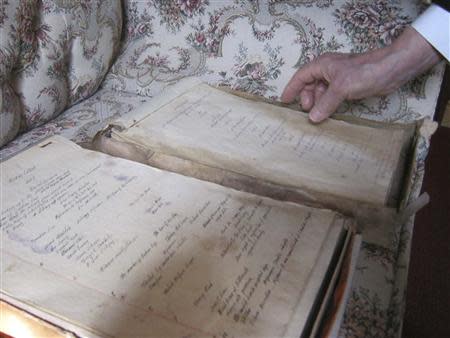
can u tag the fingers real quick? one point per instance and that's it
(319, 90)
(327, 104)
(306, 99)
(317, 86)
(311, 93)
(307, 96)
(304, 76)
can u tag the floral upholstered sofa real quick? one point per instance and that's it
(69, 66)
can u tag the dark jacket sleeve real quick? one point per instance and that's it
(445, 4)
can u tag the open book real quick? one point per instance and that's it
(255, 238)
(103, 246)
(262, 148)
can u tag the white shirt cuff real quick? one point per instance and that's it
(434, 26)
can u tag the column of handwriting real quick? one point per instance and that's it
(248, 126)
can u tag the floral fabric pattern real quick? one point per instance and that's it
(248, 45)
(252, 75)
(212, 39)
(371, 24)
(81, 122)
(175, 14)
(9, 114)
(56, 52)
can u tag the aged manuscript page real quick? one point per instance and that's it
(269, 142)
(118, 248)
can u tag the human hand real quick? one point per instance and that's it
(326, 82)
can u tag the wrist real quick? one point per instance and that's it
(407, 57)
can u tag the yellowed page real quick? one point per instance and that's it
(17, 323)
(117, 248)
(276, 144)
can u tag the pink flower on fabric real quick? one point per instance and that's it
(188, 7)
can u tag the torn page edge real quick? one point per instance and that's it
(425, 129)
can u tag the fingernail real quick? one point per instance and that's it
(314, 116)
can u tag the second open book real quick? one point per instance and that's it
(249, 145)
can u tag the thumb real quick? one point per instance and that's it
(326, 105)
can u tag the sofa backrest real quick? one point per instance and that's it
(256, 46)
(53, 53)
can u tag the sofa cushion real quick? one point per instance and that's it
(9, 114)
(52, 55)
(80, 122)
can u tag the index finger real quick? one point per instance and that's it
(305, 75)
